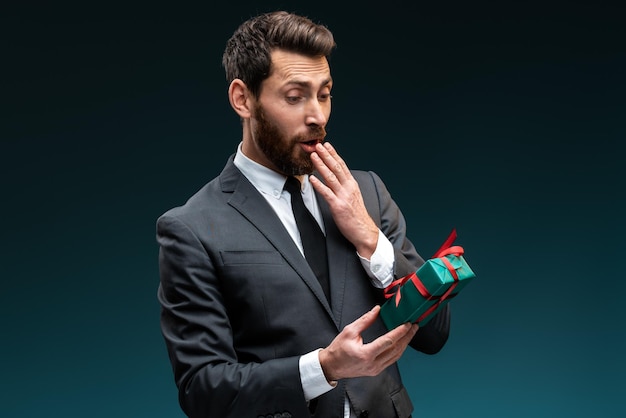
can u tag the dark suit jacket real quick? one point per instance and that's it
(240, 305)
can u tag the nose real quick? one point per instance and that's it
(317, 112)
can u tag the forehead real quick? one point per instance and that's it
(290, 67)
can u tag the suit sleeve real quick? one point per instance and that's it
(430, 338)
(194, 322)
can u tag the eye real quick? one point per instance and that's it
(325, 97)
(294, 99)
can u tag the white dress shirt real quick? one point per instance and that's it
(379, 267)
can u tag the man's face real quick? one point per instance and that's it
(290, 115)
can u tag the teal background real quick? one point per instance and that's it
(504, 120)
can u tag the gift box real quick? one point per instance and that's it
(419, 296)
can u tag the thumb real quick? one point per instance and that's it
(366, 319)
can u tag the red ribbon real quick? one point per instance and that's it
(445, 249)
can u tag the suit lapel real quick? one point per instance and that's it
(251, 204)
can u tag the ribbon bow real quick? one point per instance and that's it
(445, 249)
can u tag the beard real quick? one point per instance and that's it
(285, 153)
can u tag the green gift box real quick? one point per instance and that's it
(420, 295)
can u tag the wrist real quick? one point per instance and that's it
(368, 245)
(324, 360)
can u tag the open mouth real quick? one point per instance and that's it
(309, 146)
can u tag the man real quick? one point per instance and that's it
(249, 329)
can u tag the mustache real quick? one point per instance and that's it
(316, 132)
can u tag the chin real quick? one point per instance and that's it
(298, 168)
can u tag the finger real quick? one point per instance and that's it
(320, 187)
(388, 340)
(325, 173)
(406, 338)
(397, 348)
(332, 161)
(333, 153)
(365, 321)
(390, 356)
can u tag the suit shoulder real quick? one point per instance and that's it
(369, 181)
(197, 202)
(366, 176)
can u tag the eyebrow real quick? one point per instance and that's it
(302, 83)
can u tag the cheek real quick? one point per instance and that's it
(288, 125)
(276, 114)
(288, 119)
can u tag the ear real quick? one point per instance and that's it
(240, 98)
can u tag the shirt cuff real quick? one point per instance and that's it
(314, 382)
(380, 266)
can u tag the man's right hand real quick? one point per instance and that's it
(347, 356)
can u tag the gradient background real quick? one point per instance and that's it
(501, 119)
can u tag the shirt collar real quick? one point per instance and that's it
(265, 180)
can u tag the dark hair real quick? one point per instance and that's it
(248, 52)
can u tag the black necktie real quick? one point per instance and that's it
(313, 239)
